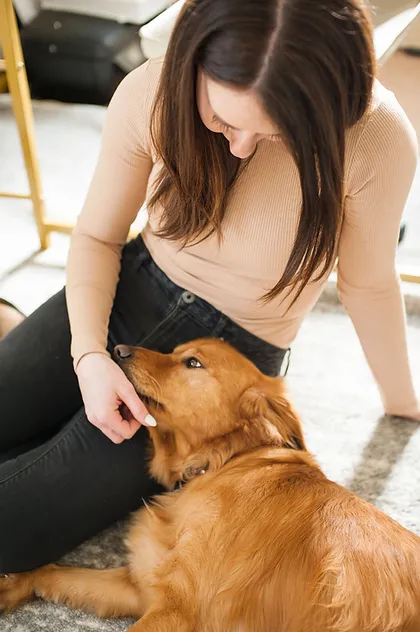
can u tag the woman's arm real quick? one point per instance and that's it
(116, 194)
(381, 176)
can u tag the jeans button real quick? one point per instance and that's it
(188, 298)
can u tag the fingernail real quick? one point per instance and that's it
(150, 421)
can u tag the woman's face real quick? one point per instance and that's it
(237, 114)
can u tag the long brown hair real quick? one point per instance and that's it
(312, 64)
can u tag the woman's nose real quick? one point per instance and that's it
(242, 145)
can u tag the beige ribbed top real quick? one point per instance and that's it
(259, 231)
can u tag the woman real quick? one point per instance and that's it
(265, 149)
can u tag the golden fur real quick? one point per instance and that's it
(257, 539)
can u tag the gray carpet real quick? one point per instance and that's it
(375, 456)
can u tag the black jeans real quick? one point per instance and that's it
(61, 479)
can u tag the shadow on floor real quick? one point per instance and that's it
(381, 454)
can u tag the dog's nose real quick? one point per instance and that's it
(123, 352)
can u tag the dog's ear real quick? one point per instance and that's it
(268, 401)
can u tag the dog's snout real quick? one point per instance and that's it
(123, 352)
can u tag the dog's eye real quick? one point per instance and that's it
(193, 363)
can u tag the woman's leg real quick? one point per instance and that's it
(57, 495)
(38, 387)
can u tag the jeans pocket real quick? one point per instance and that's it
(141, 305)
(176, 329)
(163, 326)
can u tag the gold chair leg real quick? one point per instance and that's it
(18, 86)
(3, 83)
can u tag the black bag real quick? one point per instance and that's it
(71, 57)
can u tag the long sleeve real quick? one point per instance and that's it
(116, 194)
(381, 176)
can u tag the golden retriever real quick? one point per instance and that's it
(253, 537)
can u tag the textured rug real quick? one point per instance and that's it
(374, 456)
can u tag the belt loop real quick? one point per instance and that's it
(287, 356)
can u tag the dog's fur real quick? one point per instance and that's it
(257, 539)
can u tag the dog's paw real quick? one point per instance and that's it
(14, 590)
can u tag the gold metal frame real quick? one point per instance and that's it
(410, 277)
(17, 81)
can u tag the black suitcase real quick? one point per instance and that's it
(71, 57)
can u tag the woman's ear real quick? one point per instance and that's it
(268, 400)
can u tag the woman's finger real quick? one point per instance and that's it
(113, 436)
(113, 421)
(128, 417)
(108, 432)
(136, 406)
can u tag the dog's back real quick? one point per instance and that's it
(272, 545)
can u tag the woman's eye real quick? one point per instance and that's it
(193, 363)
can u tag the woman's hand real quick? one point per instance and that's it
(415, 417)
(111, 403)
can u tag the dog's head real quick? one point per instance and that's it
(210, 403)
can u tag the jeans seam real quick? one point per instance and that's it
(48, 452)
(187, 309)
(166, 319)
(218, 329)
